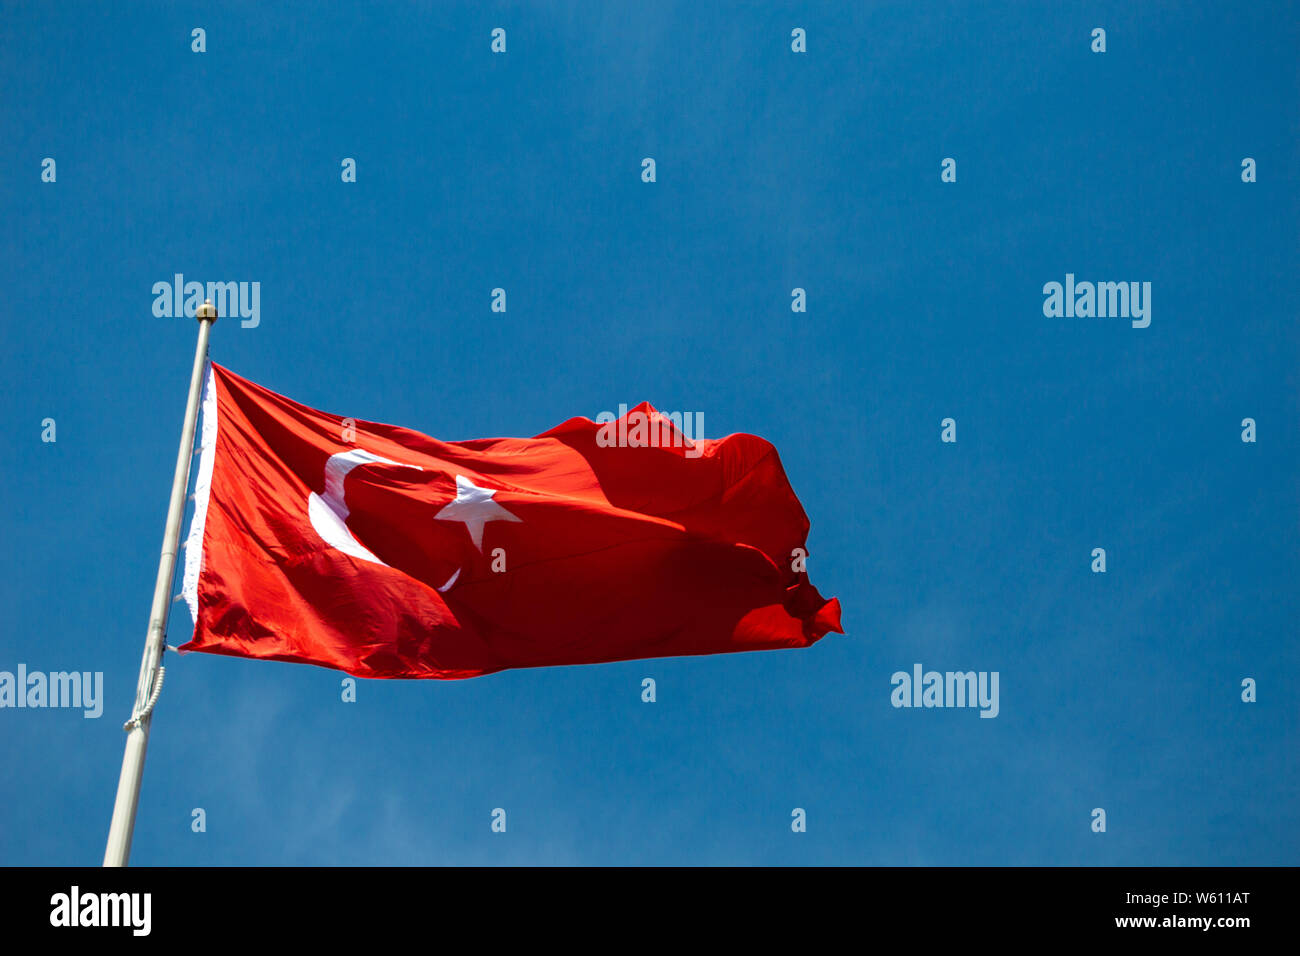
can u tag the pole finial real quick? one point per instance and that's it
(206, 311)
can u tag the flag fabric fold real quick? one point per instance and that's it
(385, 553)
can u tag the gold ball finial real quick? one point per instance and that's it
(206, 311)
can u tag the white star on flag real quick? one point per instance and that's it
(474, 506)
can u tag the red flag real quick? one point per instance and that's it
(385, 553)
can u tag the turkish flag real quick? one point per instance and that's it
(385, 553)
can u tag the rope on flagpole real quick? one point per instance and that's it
(148, 707)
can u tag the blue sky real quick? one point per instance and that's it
(775, 170)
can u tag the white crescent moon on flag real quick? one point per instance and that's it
(328, 511)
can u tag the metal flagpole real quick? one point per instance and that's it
(137, 728)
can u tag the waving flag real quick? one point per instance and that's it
(385, 553)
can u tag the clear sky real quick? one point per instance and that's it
(775, 170)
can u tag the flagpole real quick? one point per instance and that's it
(122, 828)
